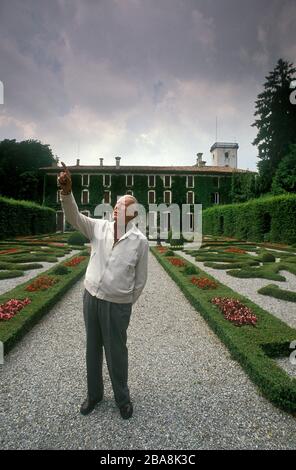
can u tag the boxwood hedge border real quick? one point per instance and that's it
(273, 219)
(13, 330)
(253, 347)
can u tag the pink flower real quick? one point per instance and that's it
(12, 307)
(234, 311)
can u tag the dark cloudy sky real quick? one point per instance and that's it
(139, 79)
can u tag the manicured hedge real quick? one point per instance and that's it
(273, 290)
(25, 218)
(253, 347)
(271, 218)
(11, 331)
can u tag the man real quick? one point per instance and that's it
(115, 277)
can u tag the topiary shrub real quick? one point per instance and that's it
(268, 258)
(189, 269)
(61, 270)
(169, 253)
(77, 238)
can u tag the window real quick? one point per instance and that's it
(226, 155)
(152, 219)
(151, 181)
(167, 220)
(190, 181)
(151, 197)
(85, 180)
(190, 197)
(129, 180)
(107, 180)
(107, 197)
(216, 198)
(85, 196)
(58, 196)
(191, 220)
(167, 181)
(167, 197)
(152, 224)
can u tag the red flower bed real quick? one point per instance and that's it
(41, 283)
(12, 307)
(234, 311)
(161, 249)
(233, 249)
(204, 282)
(74, 261)
(11, 250)
(177, 262)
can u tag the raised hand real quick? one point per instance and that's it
(64, 180)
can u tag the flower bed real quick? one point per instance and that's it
(74, 261)
(12, 307)
(233, 249)
(161, 249)
(41, 283)
(41, 302)
(253, 347)
(204, 282)
(234, 311)
(177, 262)
(11, 250)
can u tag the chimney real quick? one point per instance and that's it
(77, 162)
(117, 159)
(101, 161)
(199, 161)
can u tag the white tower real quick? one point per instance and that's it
(224, 154)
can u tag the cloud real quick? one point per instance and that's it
(137, 79)
(204, 29)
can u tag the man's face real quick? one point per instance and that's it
(120, 210)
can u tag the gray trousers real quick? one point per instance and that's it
(106, 326)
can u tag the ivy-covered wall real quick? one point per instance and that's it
(204, 188)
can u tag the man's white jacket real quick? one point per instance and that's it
(115, 273)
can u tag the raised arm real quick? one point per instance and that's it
(81, 222)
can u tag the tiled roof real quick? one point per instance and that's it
(148, 169)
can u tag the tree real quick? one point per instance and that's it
(19, 168)
(276, 117)
(285, 177)
(243, 186)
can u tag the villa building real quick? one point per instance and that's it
(194, 184)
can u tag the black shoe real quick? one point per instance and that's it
(126, 410)
(88, 405)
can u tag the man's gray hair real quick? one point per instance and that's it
(135, 203)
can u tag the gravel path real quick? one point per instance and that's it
(248, 287)
(8, 284)
(187, 391)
